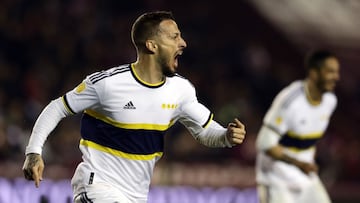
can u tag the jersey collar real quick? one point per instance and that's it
(142, 82)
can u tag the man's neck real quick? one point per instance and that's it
(313, 93)
(148, 71)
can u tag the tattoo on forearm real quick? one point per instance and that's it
(33, 159)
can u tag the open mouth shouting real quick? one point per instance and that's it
(176, 59)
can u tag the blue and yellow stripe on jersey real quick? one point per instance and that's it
(299, 142)
(120, 153)
(130, 141)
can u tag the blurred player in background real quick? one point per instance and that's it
(286, 171)
(126, 113)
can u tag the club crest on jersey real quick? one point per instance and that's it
(129, 105)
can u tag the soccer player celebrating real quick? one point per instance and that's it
(286, 171)
(126, 113)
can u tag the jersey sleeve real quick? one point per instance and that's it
(194, 115)
(86, 95)
(199, 121)
(276, 117)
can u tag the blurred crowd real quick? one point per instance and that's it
(235, 59)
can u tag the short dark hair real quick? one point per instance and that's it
(315, 59)
(146, 26)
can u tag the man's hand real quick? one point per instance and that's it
(307, 168)
(277, 153)
(235, 132)
(33, 168)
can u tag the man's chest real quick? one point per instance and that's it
(139, 105)
(309, 120)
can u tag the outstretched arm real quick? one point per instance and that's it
(198, 120)
(84, 96)
(277, 153)
(49, 118)
(216, 135)
(267, 141)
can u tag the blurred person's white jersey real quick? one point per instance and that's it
(295, 123)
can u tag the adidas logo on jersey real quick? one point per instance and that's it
(129, 105)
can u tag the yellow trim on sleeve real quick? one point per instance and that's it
(208, 123)
(66, 106)
(118, 153)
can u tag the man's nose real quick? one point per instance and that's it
(183, 43)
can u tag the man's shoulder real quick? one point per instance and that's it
(289, 93)
(108, 73)
(179, 79)
(330, 97)
(294, 85)
(177, 76)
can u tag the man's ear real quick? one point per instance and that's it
(151, 45)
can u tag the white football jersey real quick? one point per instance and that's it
(300, 124)
(124, 123)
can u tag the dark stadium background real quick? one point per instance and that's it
(239, 55)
